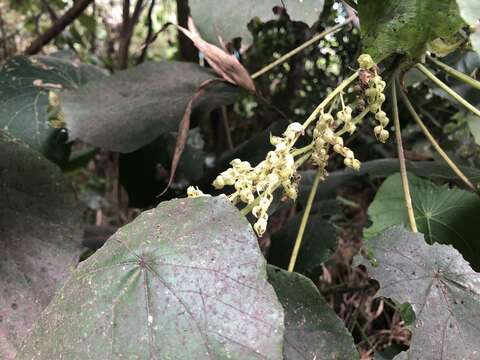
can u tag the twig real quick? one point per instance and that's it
(57, 27)
(303, 224)
(447, 89)
(329, 98)
(300, 48)
(128, 25)
(455, 73)
(143, 54)
(401, 159)
(434, 143)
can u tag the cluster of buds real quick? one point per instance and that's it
(324, 136)
(375, 96)
(277, 169)
(255, 186)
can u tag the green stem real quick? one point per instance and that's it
(401, 159)
(300, 48)
(299, 162)
(357, 119)
(447, 89)
(302, 150)
(455, 73)
(303, 224)
(434, 143)
(329, 98)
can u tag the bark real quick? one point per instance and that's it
(188, 52)
(126, 33)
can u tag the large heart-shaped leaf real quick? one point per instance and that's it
(183, 281)
(24, 87)
(446, 216)
(225, 20)
(133, 107)
(312, 329)
(392, 26)
(39, 237)
(441, 287)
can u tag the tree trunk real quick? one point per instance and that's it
(188, 52)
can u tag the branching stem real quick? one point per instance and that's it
(455, 73)
(300, 48)
(448, 90)
(435, 144)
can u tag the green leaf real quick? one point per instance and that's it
(133, 107)
(446, 216)
(441, 287)
(312, 329)
(24, 89)
(40, 237)
(318, 244)
(392, 26)
(183, 281)
(230, 18)
(375, 169)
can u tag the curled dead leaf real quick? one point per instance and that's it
(224, 64)
(184, 127)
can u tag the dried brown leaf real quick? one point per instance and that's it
(225, 65)
(184, 127)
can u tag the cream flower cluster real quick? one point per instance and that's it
(325, 137)
(277, 169)
(255, 186)
(375, 97)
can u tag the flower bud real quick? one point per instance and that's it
(365, 62)
(383, 137)
(219, 182)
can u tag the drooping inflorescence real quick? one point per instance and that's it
(255, 185)
(375, 96)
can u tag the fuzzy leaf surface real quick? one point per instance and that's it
(183, 281)
(40, 237)
(440, 285)
(133, 107)
(406, 26)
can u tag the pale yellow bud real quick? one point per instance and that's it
(383, 137)
(356, 164)
(219, 182)
(246, 196)
(260, 226)
(365, 62)
(348, 153)
(194, 192)
(338, 148)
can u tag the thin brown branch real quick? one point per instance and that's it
(57, 27)
(149, 36)
(126, 33)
